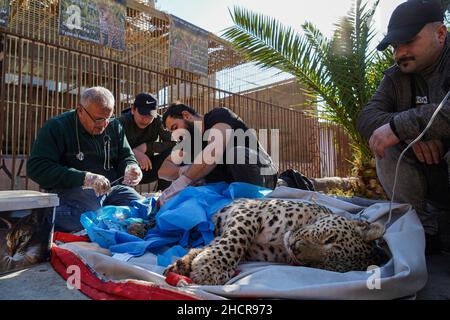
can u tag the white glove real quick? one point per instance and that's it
(100, 184)
(133, 175)
(176, 186)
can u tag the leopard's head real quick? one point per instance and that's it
(335, 243)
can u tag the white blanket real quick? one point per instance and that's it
(401, 277)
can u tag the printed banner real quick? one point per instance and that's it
(99, 21)
(4, 13)
(188, 48)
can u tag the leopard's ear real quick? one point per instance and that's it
(369, 231)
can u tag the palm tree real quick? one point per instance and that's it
(446, 7)
(339, 74)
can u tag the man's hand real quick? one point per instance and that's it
(429, 152)
(381, 139)
(100, 184)
(132, 176)
(144, 161)
(176, 186)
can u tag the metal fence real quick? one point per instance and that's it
(43, 74)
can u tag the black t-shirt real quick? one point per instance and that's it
(210, 119)
(243, 136)
(223, 115)
(249, 142)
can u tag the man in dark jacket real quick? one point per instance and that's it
(81, 155)
(217, 146)
(402, 107)
(150, 142)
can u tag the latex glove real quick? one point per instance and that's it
(100, 184)
(176, 186)
(133, 175)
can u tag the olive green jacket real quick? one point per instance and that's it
(154, 135)
(53, 161)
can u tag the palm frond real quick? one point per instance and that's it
(340, 73)
(269, 44)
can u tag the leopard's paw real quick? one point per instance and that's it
(208, 269)
(183, 265)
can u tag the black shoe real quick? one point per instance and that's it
(433, 244)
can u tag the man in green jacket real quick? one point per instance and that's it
(150, 142)
(81, 155)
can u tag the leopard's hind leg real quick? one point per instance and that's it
(183, 265)
(217, 263)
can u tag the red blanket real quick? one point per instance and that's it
(98, 289)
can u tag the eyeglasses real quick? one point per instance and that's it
(99, 121)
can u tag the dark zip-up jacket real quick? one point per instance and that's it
(53, 161)
(154, 135)
(408, 102)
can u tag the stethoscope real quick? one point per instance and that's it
(106, 147)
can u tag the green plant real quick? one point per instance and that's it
(446, 6)
(339, 74)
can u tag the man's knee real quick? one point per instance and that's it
(411, 168)
(149, 176)
(73, 203)
(388, 163)
(79, 198)
(121, 196)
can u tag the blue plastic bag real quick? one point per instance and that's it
(107, 226)
(188, 215)
(183, 222)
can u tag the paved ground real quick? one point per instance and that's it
(41, 282)
(438, 286)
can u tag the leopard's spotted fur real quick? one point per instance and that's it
(285, 231)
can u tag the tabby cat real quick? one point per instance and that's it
(24, 241)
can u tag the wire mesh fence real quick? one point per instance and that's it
(43, 74)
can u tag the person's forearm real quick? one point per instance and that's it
(199, 171)
(141, 148)
(205, 161)
(51, 175)
(409, 124)
(168, 171)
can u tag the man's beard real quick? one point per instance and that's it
(195, 134)
(190, 128)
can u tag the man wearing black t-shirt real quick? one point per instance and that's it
(217, 146)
